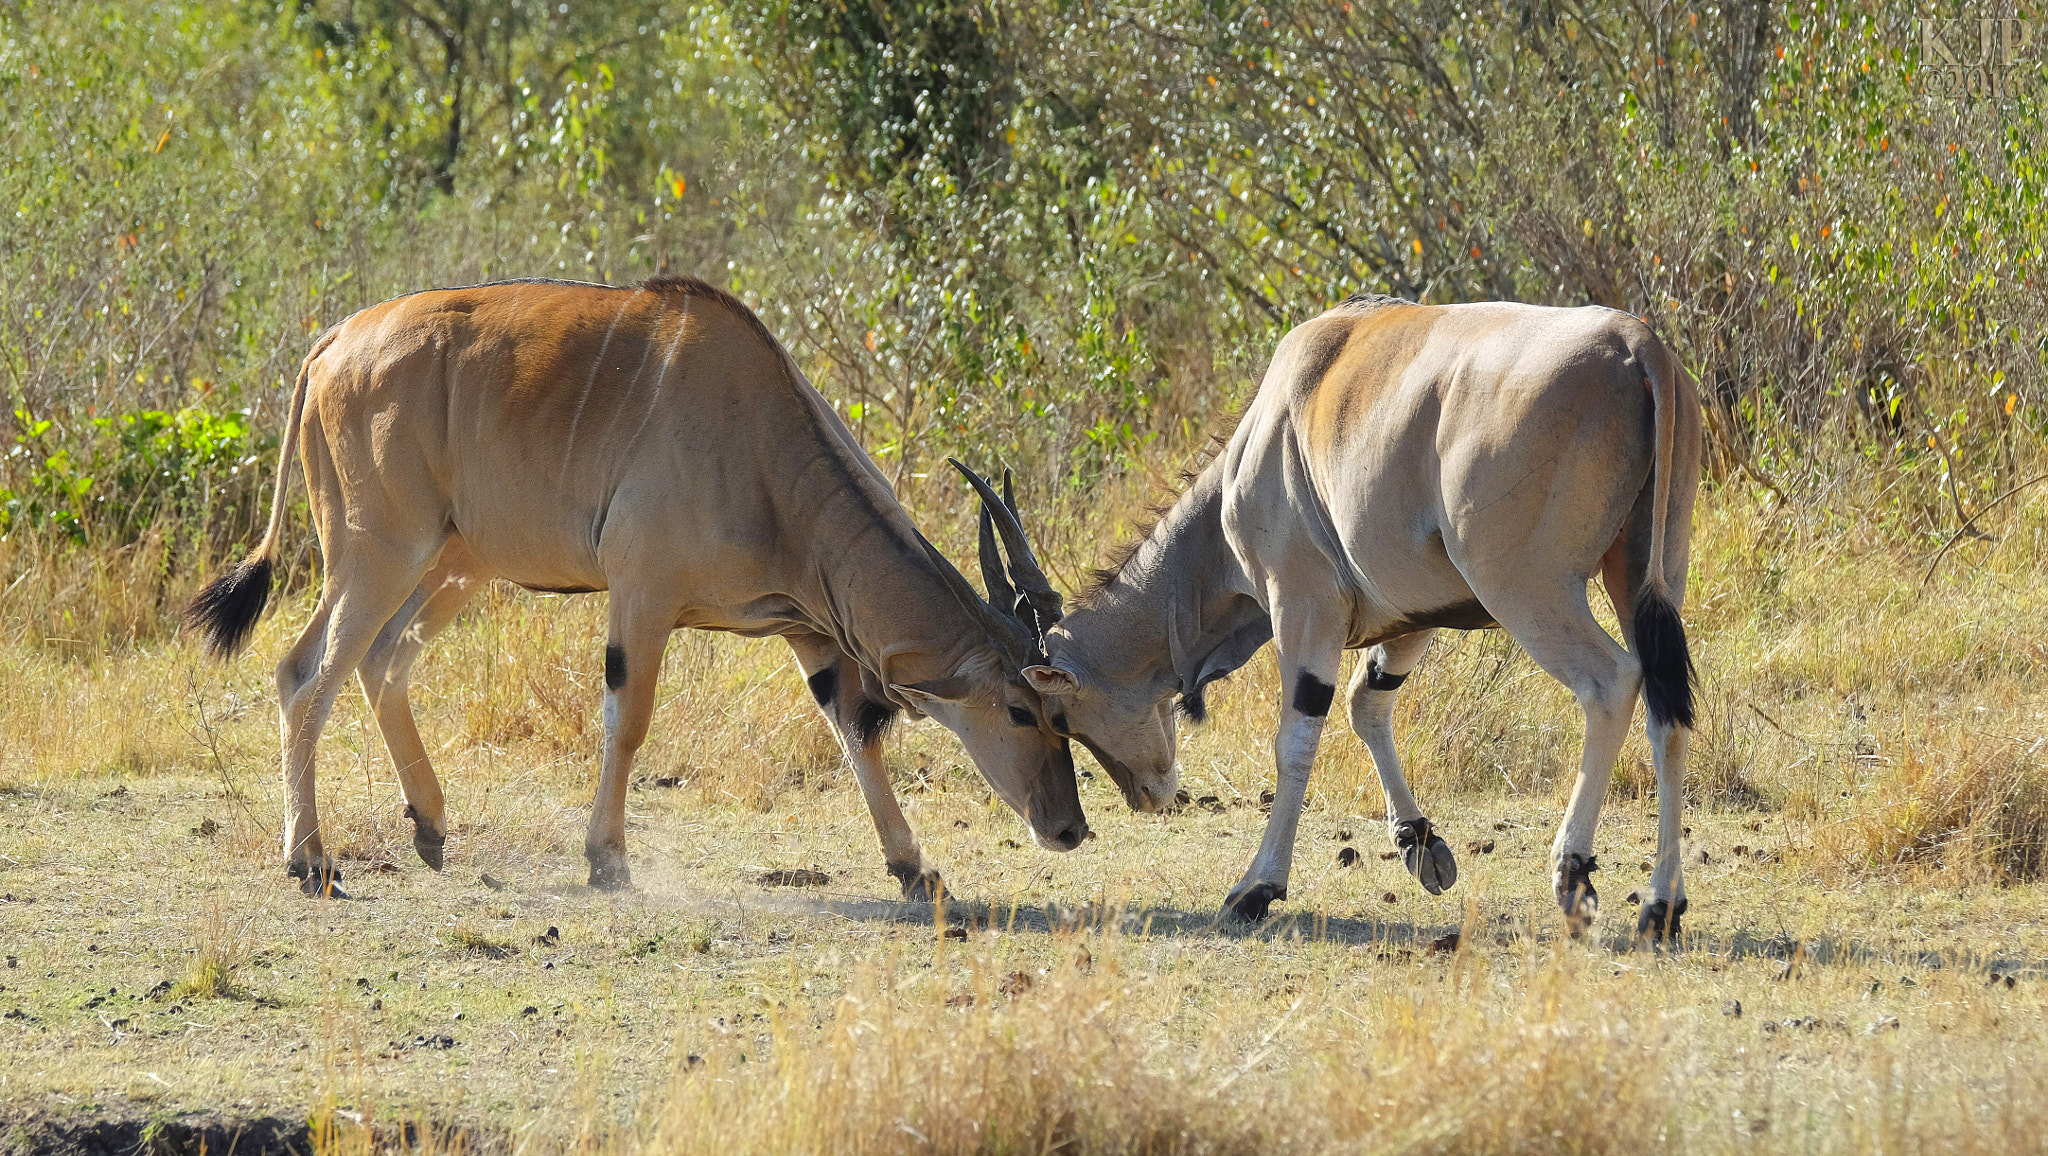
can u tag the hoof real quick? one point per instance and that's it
(1250, 904)
(428, 842)
(320, 880)
(1575, 893)
(921, 884)
(1427, 856)
(1659, 922)
(610, 873)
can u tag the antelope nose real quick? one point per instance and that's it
(1071, 836)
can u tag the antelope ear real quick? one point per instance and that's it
(954, 689)
(1052, 681)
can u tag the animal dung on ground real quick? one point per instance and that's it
(1344, 836)
(1209, 803)
(1633, 898)
(1390, 855)
(1347, 856)
(954, 933)
(800, 877)
(548, 938)
(960, 999)
(1444, 944)
(207, 828)
(1480, 846)
(1390, 897)
(491, 881)
(1014, 984)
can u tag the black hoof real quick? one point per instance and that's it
(317, 881)
(610, 873)
(1427, 856)
(1250, 905)
(431, 844)
(1575, 892)
(1659, 921)
(920, 884)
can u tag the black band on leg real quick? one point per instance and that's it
(614, 666)
(1377, 679)
(824, 685)
(1312, 696)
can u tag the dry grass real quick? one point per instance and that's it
(1868, 789)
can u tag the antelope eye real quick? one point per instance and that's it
(1022, 717)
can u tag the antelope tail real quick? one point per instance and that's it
(1659, 633)
(226, 611)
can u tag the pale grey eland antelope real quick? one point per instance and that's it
(1406, 468)
(656, 442)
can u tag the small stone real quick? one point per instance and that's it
(1732, 1009)
(529, 1010)
(491, 881)
(960, 823)
(376, 1005)
(1770, 1027)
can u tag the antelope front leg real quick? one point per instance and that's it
(1373, 686)
(1309, 684)
(835, 683)
(632, 664)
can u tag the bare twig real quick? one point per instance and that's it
(1965, 528)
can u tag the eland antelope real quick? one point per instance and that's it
(1403, 469)
(656, 442)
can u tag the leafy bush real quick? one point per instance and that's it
(193, 470)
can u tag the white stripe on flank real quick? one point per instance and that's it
(596, 366)
(654, 396)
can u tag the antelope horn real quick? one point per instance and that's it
(1044, 601)
(1000, 594)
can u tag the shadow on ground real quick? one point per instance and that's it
(1390, 935)
(126, 1128)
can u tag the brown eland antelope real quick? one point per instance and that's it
(1406, 468)
(656, 442)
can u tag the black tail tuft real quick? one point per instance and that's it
(1667, 664)
(225, 613)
